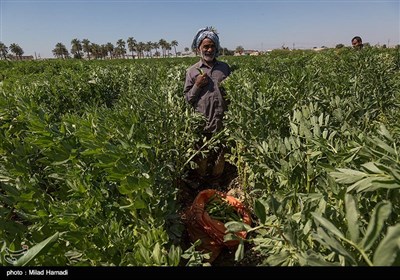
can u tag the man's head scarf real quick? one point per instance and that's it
(208, 32)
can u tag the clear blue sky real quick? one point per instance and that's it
(38, 25)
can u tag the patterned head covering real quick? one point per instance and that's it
(208, 32)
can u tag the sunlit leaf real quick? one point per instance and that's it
(36, 249)
(352, 217)
(388, 248)
(378, 218)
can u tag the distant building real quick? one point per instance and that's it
(23, 57)
(247, 52)
(319, 49)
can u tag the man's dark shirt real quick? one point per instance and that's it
(208, 100)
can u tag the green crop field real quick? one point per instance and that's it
(92, 156)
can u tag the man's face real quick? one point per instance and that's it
(356, 43)
(207, 50)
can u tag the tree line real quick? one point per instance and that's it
(14, 48)
(89, 50)
(85, 48)
(79, 49)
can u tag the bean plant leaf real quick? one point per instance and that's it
(347, 176)
(35, 250)
(388, 248)
(174, 255)
(379, 215)
(384, 132)
(371, 167)
(352, 217)
(278, 259)
(233, 226)
(361, 185)
(328, 225)
(157, 253)
(259, 210)
(383, 183)
(239, 254)
(384, 146)
(314, 259)
(332, 243)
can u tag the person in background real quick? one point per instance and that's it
(203, 91)
(357, 42)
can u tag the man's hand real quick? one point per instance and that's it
(202, 80)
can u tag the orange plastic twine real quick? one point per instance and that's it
(210, 231)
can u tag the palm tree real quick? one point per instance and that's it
(76, 48)
(110, 49)
(60, 51)
(156, 45)
(95, 49)
(121, 51)
(239, 49)
(163, 45)
(86, 47)
(140, 49)
(174, 44)
(167, 48)
(147, 47)
(3, 50)
(104, 51)
(17, 50)
(131, 45)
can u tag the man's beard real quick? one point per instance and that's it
(208, 56)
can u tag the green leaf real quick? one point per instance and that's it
(35, 250)
(352, 217)
(143, 145)
(294, 128)
(239, 254)
(124, 145)
(371, 167)
(388, 248)
(396, 175)
(144, 253)
(10, 189)
(383, 183)
(384, 146)
(230, 237)
(315, 153)
(384, 132)
(277, 259)
(174, 255)
(333, 244)
(133, 184)
(236, 226)
(129, 136)
(379, 215)
(260, 211)
(347, 176)
(14, 228)
(362, 185)
(321, 119)
(157, 253)
(314, 259)
(328, 225)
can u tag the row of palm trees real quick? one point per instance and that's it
(85, 48)
(14, 48)
(89, 50)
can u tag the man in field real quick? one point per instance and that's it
(202, 90)
(356, 42)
